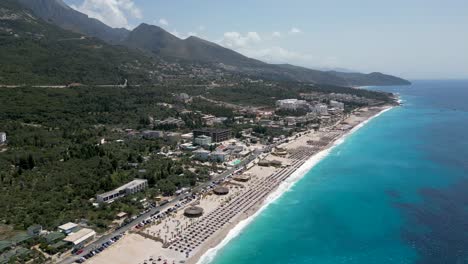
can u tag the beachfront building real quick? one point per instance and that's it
(219, 156)
(68, 228)
(202, 140)
(217, 135)
(291, 104)
(235, 151)
(81, 237)
(201, 155)
(3, 137)
(320, 109)
(132, 187)
(337, 105)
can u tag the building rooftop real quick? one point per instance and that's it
(80, 236)
(68, 226)
(212, 130)
(131, 184)
(221, 153)
(54, 236)
(121, 214)
(187, 136)
(201, 151)
(290, 100)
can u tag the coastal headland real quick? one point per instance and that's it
(183, 237)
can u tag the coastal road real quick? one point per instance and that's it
(105, 238)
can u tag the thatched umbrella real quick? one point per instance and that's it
(220, 190)
(193, 212)
(242, 178)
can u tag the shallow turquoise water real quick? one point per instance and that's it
(396, 191)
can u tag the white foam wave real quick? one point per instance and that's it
(209, 256)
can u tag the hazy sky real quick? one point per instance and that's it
(415, 39)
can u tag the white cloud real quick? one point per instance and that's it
(163, 22)
(237, 40)
(295, 30)
(201, 28)
(275, 54)
(114, 13)
(252, 45)
(176, 33)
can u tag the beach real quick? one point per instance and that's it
(179, 239)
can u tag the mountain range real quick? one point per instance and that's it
(35, 52)
(155, 42)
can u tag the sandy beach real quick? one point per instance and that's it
(177, 238)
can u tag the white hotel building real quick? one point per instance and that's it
(337, 105)
(291, 104)
(132, 187)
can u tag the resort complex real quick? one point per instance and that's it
(129, 144)
(183, 229)
(179, 190)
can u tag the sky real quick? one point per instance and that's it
(414, 39)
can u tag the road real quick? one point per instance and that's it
(129, 226)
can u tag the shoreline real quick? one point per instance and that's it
(290, 182)
(178, 239)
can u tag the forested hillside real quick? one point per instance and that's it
(54, 164)
(35, 52)
(154, 41)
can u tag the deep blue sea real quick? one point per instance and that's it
(396, 191)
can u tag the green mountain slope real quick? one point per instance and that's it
(347, 78)
(371, 79)
(35, 52)
(154, 40)
(157, 41)
(60, 14)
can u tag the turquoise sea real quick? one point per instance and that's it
(396, 191)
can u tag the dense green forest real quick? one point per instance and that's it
(54, 164)
(266, 94)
